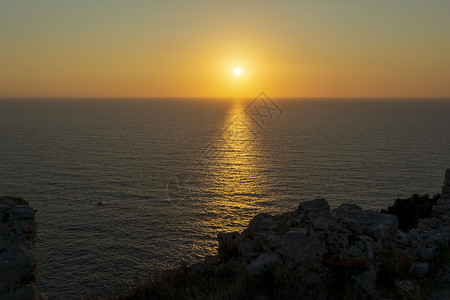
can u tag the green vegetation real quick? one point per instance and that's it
(410, 210)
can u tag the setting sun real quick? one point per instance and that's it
(237, 71)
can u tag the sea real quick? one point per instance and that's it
(124, 187)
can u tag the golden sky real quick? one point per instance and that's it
(111, 48)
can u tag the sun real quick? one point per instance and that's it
(237, 71)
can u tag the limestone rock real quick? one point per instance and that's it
(408, 289)
(346, 209)
(366, 280)
(318, 206)
(263, 263)
(18, 271)
(379, 226)
(295, 238)
(314, 242)
(348, 262)
(227, 245)
(420, 268)
(446, 187)
(447, 177)
(426, 254)
(258, 223)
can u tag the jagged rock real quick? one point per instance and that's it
(367, 280)
(356, 249)
(442, 210)
(348, 262)
(447, 177)
(446, 191)
(314, 242)
(318, 206)
(313, 277)
(379, 226)
(403, 260)
(369, 246)
(22, 293)
(320, 223)
(313, 239)
(245, 246)
(227, 245)
(408, 289)
(346, 209)
(426, 254)
(23, 212)
(420, 268)
(298, 246)
(446, 187)
(274, 241)
(259, 222)
(336, 240)
(18, 228)
(263, 263)
(295, 238)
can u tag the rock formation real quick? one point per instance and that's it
(446, 187)
(315, 241)
(18, 230)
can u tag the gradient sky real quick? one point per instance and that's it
(110, 48)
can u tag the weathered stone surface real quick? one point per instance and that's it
(348, 262)
(379, 226)
(367, 280)
(446, 190)
(258, 223)
(426, 254)
(245, 247)
(408, 289)
(227, 246)
(420, 268)
(295, 238)
(23, 212)
(22, 293)
(18, 228)
(446, 187)
(447, 173)
(318, 206)
(263, 263)
(346, 209)
(274, 241)
(314, 241)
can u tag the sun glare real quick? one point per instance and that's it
(237, 71)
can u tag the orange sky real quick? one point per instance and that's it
(190, 48)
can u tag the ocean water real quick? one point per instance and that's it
(172, 173)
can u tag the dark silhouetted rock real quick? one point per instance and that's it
(18, 229)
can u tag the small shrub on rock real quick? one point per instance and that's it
(410, 210)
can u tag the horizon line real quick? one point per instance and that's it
(220, 97)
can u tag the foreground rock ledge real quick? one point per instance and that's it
(18, 270)
(314, 241)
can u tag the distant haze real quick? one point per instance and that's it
(109, 48)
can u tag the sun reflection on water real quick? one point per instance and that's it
(234, 182)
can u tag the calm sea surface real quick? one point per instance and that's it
(173, 173)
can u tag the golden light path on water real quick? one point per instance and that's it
(234, 181)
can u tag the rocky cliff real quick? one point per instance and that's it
(446, 187)
(18, 270)
(363, 246)
(314, 252)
